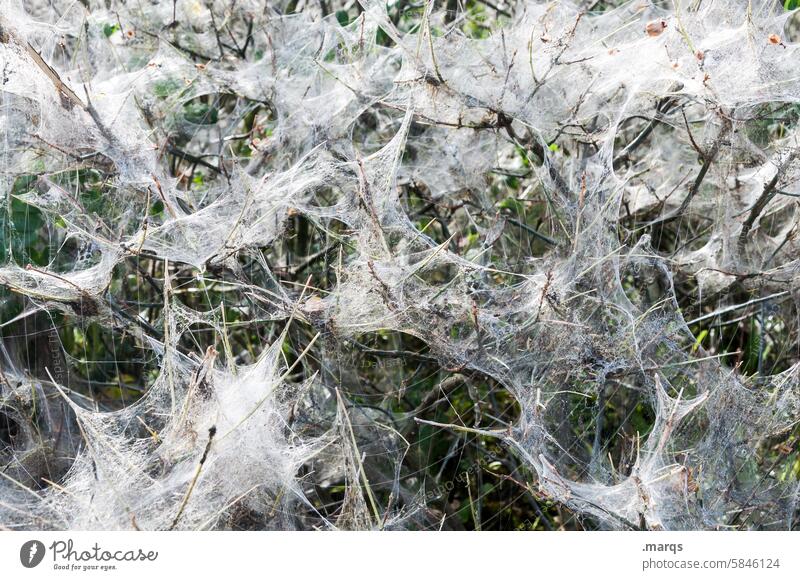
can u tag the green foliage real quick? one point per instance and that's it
(21, 227)
(200, 113)
(167, 87)
(342, 17)
(110, 28)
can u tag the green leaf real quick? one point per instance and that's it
(791, 4)
(21, 230)
(165, 88)
(342, 17)
(700, 338)
(382, 38)
(109, 29)
(200, 113)
(157, 209)
(513, 205)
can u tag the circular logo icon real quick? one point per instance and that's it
(31, 553)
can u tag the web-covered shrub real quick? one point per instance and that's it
(384, 265)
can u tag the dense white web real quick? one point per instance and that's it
(348, 115)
